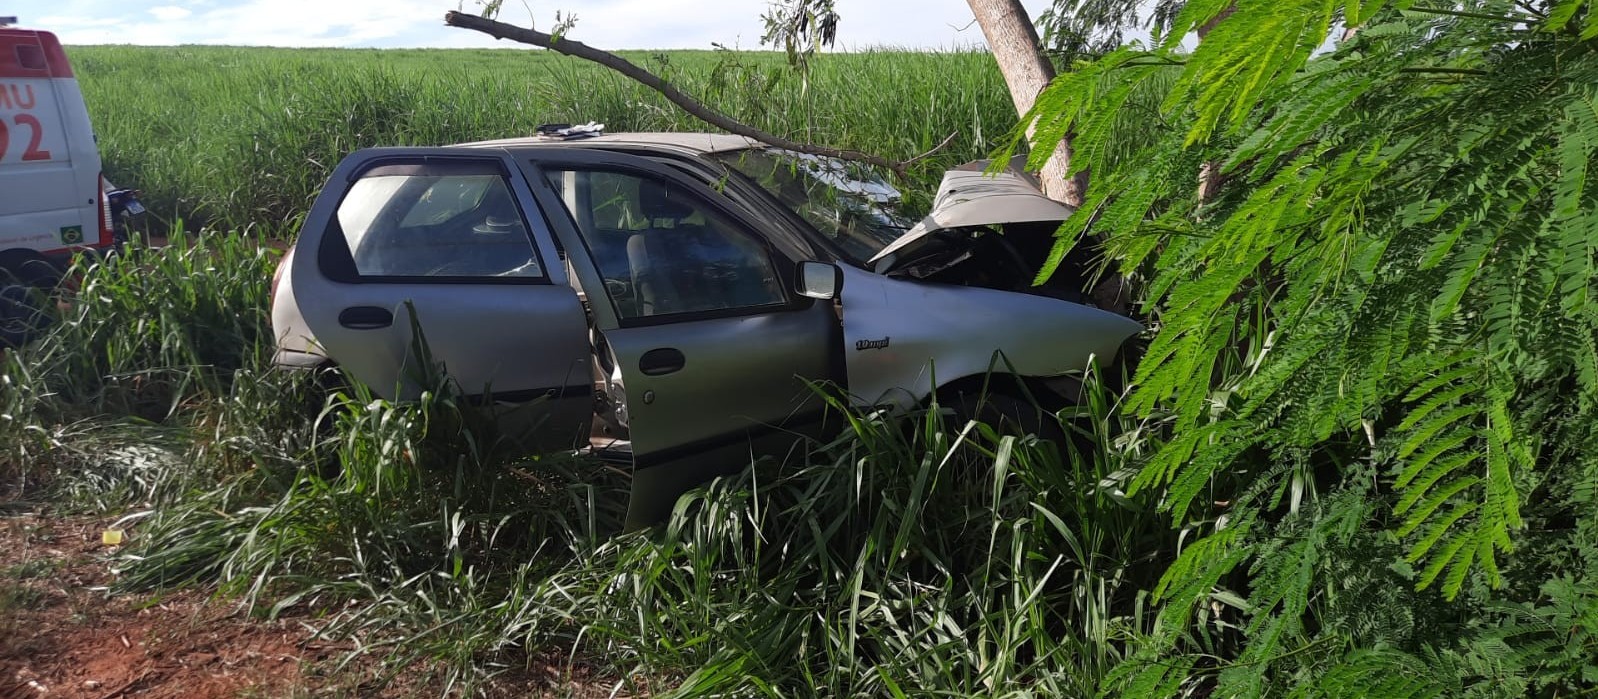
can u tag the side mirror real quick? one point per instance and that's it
(819, 280)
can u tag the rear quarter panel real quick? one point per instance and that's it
(288, 325)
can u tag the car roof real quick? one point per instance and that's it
(701, 143)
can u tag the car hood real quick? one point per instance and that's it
(970, 196)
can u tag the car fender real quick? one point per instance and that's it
(903, 339)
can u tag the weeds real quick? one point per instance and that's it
(146, 344)
(896, 555)
(903, 553)
(906, 555)
(894, 560)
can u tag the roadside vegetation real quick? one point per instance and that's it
(1357, 459)
(409, 528)
(243, 138)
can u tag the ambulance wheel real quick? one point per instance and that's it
(22, 316)
(26, 280)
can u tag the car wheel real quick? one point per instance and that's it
(1007, 414)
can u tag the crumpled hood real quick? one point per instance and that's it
(969, 196)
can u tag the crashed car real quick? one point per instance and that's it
(658, 297)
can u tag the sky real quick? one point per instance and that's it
(606, 24)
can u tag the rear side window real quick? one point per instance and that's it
(431, 223)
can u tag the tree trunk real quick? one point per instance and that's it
(1210, 177)
(1204, 31)
(1015, 46)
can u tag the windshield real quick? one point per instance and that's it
(847, 202)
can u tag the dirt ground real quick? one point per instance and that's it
(64, 635)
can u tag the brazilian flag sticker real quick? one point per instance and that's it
(71, 235)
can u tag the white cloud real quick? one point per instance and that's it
(170, 13)
(609, 24)
(243, 22)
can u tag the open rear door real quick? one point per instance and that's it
(455, 236)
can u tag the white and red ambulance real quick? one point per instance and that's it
(51, 199)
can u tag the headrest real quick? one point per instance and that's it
(659, 202)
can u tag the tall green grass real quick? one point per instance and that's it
(141, 344)
(908, 556)
(245, 137)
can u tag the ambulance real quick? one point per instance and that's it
(51, 199)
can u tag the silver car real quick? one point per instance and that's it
(662, 297)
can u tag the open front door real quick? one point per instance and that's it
(460, 240)
(713, 346)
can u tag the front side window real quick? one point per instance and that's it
(413, 222)
(663, 251)
(849, 203)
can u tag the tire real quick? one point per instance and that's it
(26, 281)
(22, 316)
(1007, 414)
(30, 269)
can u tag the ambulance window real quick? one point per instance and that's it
(31, 57)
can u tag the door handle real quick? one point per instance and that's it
(658, 362)
(365, 318)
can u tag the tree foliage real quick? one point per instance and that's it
(1378, 345)
(800, 27)
(1076, 28)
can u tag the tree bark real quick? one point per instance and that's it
(577, 49)
(1204, 30)
(1210, 177)
(1014, 42)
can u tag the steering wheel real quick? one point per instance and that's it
(619, 288)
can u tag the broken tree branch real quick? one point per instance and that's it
(577, 49)
(946, 141)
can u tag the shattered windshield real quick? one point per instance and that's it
(847, 202)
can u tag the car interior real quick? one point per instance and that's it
(453, 226)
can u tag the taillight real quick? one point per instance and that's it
(107, 230)
(277, 278)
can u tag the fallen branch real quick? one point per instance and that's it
(577, 49)
(946, 141)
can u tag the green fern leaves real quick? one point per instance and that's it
(1566, 10)
(1391, 293)
(1458, 498)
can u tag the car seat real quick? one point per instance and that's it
(648, 255)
